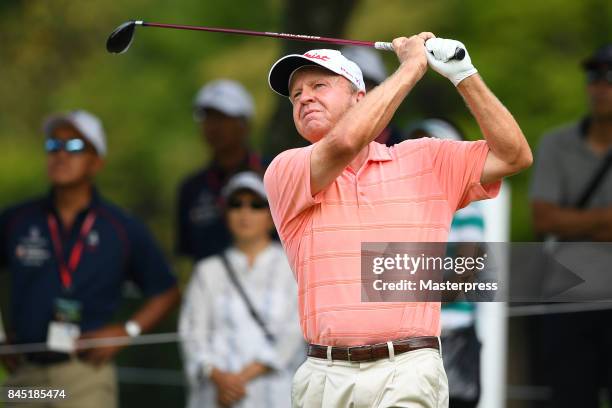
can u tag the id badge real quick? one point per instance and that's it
(64, 330)
(62, 336)
(68, 310)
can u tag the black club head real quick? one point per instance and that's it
(120, 39)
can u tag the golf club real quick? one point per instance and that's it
(121, 38)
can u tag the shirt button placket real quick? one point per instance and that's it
(359, 193)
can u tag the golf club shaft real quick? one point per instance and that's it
(311, 38)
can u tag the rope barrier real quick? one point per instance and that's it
(155, 338)
(553, 308)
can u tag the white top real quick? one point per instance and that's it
(467, 226)
(216, 327)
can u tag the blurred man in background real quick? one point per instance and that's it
(223, 109)
(374, 73)
(571, 200)
(460, 343)
(68, 254)
(239, 321)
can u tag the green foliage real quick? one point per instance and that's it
(53, 58)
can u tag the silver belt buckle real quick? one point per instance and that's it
(348, 354)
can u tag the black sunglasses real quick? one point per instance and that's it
(596, 75)
(235, 204)
(53, 145)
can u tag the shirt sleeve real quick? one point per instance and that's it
(548, 173)
(195, 325)
(458, 167)
(287, 183)
(148, 267)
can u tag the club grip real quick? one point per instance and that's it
(387, 46)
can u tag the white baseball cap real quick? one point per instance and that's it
(281, 71)
(88, 125)
(368, 60)
(246, 180)
(226, 96)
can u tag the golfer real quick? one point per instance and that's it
(344, 189)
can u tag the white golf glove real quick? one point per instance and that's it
(439, 52)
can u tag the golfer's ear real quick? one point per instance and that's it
(360, 95)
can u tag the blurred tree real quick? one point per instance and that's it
(318, 17)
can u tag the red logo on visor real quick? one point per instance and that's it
(317, 56)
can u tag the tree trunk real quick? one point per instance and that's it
(316, 17)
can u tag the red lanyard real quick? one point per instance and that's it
(66, 271)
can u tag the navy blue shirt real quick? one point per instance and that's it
(118, 247)
(202, 231)
(392, 135)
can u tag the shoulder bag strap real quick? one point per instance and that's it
(595, 181)
(232, 275)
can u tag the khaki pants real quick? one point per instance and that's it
(415, 379)
(85, 385)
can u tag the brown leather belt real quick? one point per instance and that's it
(373, 351)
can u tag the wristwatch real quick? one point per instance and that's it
(132, 328)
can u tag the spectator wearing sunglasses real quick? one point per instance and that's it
(223, 110)
(239, 322)
(68, 254)
(571, 203)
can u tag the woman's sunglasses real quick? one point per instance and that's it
(235, 204)
(53, 145)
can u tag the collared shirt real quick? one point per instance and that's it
(216, 327)
(117, 248)
(201, 228)
(404, 193)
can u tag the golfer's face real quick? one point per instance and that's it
(319, 99)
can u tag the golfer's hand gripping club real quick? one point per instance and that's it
(459, 53)
(441, 56)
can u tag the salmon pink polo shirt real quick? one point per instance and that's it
(404, 193)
